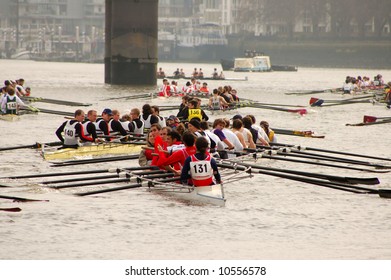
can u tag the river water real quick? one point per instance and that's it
(264, 217)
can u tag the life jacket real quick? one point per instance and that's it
(11, 105)
(195, 113)
(71, 138)
(201, 171)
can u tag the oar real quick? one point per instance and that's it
(370, 119)
(131, 186)
(94, 160)
(300, 111)
(287, 152)
(320, 103)
(54, 101)
(118, 175)
(143, 95)
(95, 182)
(369, 123)
(314, 99)
(14, 209)
(284, 151)
(301, 133)
(338, 186)
(332, 178)
(329, 151)
(117, 170)
(323, 164)
(20, 199)
(314, 91)
(41, 110)
(32, 146)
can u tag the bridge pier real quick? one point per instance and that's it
(131, 42)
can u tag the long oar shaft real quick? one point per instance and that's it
(20, 199)
(339, 186)
(333, 178)
(82, 172)
(13, 209)
(330, 151)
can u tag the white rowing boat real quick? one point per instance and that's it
(90, 150)
(213, 195)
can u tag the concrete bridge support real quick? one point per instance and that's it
(131, 42)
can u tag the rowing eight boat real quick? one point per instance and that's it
(91, 150)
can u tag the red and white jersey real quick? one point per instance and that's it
(165, 91)
(201, 171)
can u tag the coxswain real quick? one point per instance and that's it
(145, 157)
(200, 167)
(270, 133)
(73, 131)
(204, 89)
(195, 112)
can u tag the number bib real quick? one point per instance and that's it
(201, 171)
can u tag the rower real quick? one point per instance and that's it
(89, 125)
(195, 111)
(217, 102)
(73, 131)
(178, 157)
(156, 112)
(147, 117)
(165, 90)
(204, 89)
(215, 74)
(10, 102)
(200, 167)
(136, 125)
(107, 125)
(270, 133)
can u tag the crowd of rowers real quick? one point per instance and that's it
(11, 94)
(197, 74)
(356, 84)
(170, 141)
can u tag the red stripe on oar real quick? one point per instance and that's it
(369, 119)
(313, 100)
(300, 111)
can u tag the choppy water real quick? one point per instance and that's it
(264, 218)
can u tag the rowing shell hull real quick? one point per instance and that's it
(9, 117)
(212, 195)
(93, 150)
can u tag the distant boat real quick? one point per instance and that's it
(229, 65)
(23, 55)
(252, 64)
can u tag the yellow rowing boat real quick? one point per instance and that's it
(9, 117)
(90, 150)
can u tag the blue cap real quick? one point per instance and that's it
(107, 111)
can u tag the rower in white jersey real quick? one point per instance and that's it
(216, 102)
(147, 117)
(156, 112)
(89, 125)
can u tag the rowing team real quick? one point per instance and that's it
(190, 149)
(192, 87)
(356, 84)
(10, 95)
